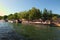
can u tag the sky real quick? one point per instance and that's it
(11, 6)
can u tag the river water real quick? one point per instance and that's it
(12, 31)
(7, 32)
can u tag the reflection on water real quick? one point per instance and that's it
(41, 32)
(7, 32)
(12, 31)
(54, 33)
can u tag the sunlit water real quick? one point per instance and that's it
(7, 32)
(12, 31)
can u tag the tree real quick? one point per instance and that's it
(45, 14)
(1, 17)
(16, 16)
(26, 15)
(50, 15)
(34, 14)
(23, 15)
(10, 17)
(5, 17)
(54, 18)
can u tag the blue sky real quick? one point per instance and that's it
(12, 6)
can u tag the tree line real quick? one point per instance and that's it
(32, 14)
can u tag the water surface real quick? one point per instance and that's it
(7, 32)
(13, 31)
(38, 32)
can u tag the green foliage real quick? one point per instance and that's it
(28, 15)
(54, 18)
(32, 14)
(5, 17)
(47, 15)
(10, 16)
(16, 16)
(1, 17)
(50, 15)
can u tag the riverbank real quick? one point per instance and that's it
(35, 22)
(42, 23)
(56, 24)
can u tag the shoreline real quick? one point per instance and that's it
(39, 23)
